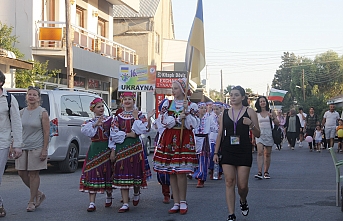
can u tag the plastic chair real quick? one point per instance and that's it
(339, 177)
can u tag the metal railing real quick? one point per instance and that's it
(51, 35)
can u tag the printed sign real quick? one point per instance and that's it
(137, 78)
(165, 79)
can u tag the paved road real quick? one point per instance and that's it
(302, 187)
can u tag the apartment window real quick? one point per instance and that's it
(157, 43)
(80, 14)
(102, 27)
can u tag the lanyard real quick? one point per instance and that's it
(235, 121)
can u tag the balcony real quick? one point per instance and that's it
(50, 35)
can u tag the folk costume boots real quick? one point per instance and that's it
(166, 193)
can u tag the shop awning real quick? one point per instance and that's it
(16, 63)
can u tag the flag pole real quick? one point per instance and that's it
(185, 98)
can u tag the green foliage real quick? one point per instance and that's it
(320, 79)
(215, 95)
(36, 76)
(228, 89)
(7, 41)
(248, 90)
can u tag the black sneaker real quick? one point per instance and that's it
(259, 176)
(231, 217)
(244, 208)
(266, 175)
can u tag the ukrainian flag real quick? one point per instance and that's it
(195, 53)
(124, 69)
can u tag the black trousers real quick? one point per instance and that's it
(291, 137)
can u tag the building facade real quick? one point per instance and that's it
(144, 31)
(40, 27)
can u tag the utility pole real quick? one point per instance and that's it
(303, 86)
(69, 49)
(221, 86)
(207, 83)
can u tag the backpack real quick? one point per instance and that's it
(277, 133)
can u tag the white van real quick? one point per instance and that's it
(67, 110)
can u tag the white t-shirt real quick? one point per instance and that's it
(331, 118)
(302, 121)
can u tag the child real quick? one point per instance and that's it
(97, 169)
(202, 145)
(339, 131)
(318, 137)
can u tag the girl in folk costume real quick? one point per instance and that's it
(174, 155)
(217, 107)
(129, 161)
(202, 145)
(162, 178)
(209, 108)
(97, 171)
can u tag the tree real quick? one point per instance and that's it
(283, 78)
(7, 41)
(319, 79)
(328, 74)
(228, 89)
(36, 76)
(215, 95)
(248, 90)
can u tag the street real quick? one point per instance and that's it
(302, 187)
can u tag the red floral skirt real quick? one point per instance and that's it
(172, 157)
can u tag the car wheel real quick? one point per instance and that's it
(148, 146)
(70, 163)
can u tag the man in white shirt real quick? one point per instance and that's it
(10, 125)
(329, 122)
(302, 118)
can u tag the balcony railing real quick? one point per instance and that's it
(51, 35)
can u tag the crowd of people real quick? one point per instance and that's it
(298, 126)
(191, 140)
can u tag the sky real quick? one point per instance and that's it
(246, 38)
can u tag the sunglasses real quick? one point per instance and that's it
(33, 88)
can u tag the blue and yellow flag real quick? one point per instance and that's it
(195, 53)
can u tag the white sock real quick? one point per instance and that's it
(125, 206)
(176, 206)
(183, 205)
(136, 197)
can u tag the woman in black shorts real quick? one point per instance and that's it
(235, 147)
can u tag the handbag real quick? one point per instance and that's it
(276, 133)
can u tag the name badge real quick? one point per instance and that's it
(234, 140)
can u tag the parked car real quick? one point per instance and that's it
(67, 110)
(148, 139)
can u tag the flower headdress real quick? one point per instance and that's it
(201, 104)
(217, 104)
(182, 84)
(128, 94)
(95, 102)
